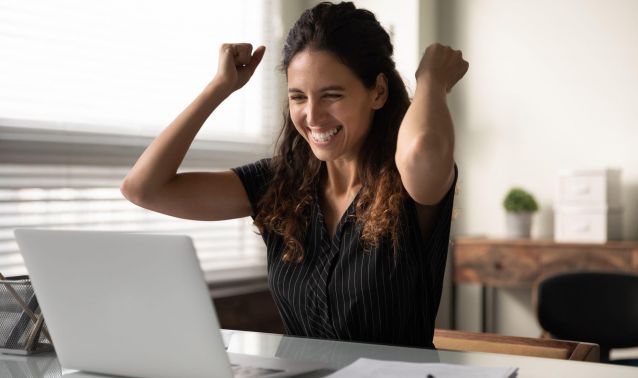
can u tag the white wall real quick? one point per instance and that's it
(551, 84)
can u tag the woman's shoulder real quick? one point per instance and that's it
(259, 168)
(255, 177)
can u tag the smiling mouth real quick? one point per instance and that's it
(325, 137)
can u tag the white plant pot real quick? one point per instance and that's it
(519, 225)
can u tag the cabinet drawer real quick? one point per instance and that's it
(583, 225)
(578, 190)
(597, 187)
(501, 266)
(610, 260)
(560, 260)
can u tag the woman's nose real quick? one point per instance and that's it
(314, 113)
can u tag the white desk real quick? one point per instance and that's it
(337, 354)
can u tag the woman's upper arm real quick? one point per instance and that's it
(428, 215)
(427, 189)
(200, 196)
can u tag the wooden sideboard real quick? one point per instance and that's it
(500, 263)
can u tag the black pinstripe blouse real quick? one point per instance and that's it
(342, 292)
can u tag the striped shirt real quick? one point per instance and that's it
(341, 291)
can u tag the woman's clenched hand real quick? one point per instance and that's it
(237, 63)
(441, 67)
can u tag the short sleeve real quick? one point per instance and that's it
(441, 231)
(255, 177)
(439, 242)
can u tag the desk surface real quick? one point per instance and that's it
(335, 355)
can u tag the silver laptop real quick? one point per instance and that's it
(134, 305)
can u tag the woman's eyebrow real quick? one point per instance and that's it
(324, 89)
(332, 88)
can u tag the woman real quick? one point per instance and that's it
(355, 206)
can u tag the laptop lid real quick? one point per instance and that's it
(125, 303)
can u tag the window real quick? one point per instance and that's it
(84, 86)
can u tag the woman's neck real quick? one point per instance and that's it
(342, 178)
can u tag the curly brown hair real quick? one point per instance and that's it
(357, 39)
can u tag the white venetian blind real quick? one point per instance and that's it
(130, 66)
(85, 85)
(87, 197)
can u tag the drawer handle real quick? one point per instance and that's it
(580, 189)
(582, 227)
(498, 265)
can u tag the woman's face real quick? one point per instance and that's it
(329, 106)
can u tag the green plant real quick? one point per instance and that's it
(518, 200)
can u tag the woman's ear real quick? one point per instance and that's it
(380, 92)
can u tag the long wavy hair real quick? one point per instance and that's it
(357, 39)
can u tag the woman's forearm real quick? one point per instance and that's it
(161, 159)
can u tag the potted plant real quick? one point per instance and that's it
(519, 206)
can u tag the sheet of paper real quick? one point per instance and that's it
(368, 368)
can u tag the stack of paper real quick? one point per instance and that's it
(368, 368)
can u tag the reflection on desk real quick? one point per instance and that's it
(40, 365)
(337, 354)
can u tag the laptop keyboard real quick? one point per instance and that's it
(240, 371)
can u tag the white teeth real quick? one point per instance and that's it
(324, 137)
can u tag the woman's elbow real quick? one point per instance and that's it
(133, 192)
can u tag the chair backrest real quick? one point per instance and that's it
(596, 307)
(522, 346)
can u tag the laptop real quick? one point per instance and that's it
(135, 305)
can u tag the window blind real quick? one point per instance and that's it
(84, 86)
(88, 198)
(129, 67)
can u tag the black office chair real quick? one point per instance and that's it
(594, 307)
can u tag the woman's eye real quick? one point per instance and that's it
(296, 98)
(333, 95)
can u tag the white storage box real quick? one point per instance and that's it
(587, 224)
(593, 187)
